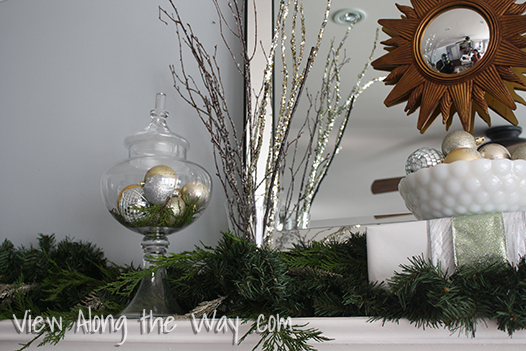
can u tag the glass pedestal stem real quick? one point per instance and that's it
(153, 296)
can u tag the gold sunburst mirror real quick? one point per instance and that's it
(456, 56)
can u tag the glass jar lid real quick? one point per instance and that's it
(157, 138)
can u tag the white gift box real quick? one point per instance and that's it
(391, 245)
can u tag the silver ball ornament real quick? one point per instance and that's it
(196, 193)
(494, 151)
(424, 157)
(131, 203)
(177, 206)
(158, 188)
(519, 153)
(457, 140)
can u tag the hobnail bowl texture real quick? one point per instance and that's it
(463, 188)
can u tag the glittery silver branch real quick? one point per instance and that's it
(289, 100)
(332, 116)
(237, 153)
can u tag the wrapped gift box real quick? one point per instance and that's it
(446, 241)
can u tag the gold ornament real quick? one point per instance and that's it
(462, 154)
(160, 170)
(177, 205)
(196, 193)
(519, 153)
(457, 140)
(494, 151)
(123, 190)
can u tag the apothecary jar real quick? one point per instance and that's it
(156, 190)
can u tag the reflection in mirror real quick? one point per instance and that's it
(455, 41)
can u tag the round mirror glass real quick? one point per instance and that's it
(455, 41)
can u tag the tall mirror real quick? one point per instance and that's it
(377, 139)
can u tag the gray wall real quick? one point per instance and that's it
(76, 78)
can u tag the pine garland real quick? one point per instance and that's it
(236, 278)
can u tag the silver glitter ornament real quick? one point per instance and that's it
(177, 205)
(131, 203)
(158, 188)
(196, 192)
(424, 157)
(456, 140)
(519, 152)
(494, 151)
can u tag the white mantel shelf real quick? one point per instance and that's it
(348, 334)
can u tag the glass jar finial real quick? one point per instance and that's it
(160, 105)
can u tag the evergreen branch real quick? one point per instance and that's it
(284, 338)
(65, 280)
(127, 282)
(53, 336)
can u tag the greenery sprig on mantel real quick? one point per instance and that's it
(319, 279)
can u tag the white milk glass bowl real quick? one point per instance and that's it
(461, 188)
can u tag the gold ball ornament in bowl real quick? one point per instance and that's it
(177, 206)
(458, 139)
(494, 151)
(462, 154)
(196, 193)
(519, 153)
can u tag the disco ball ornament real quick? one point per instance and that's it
(423, 158)
(132, 204)
(157, 170)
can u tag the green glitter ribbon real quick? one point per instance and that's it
(479, 240)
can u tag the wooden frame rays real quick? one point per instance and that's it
(490, 84)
